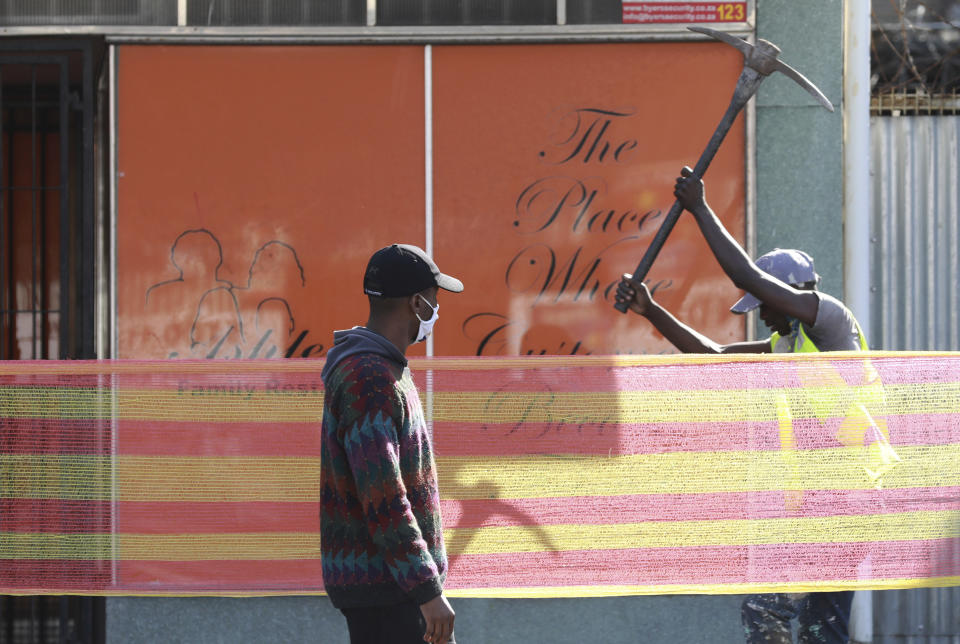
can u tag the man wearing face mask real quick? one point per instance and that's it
(782, 284)
(383, 557)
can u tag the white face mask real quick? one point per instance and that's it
(426, 326)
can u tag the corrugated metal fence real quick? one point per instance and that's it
(915, 303)
(915, 232)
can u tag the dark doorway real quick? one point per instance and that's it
(47, 200)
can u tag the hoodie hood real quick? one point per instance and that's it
(359, 340)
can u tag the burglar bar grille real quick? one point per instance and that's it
(46, 223)
(88, 12)
(232, 13)
(914, 104)
(33, 619)
(466, 12)
(33, 196)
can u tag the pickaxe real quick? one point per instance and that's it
(759, 61)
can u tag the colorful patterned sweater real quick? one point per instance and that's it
(381, 538)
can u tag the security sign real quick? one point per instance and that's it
(668, 11)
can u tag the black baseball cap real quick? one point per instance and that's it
(399, 270)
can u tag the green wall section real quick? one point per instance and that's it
(293, 620)
(799, 144)
(221, 620)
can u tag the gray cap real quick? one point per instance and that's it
(793, 267)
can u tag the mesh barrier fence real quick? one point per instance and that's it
(559, 476)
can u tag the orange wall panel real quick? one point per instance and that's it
(554, 167)
(253, 184)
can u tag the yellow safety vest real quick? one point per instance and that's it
(803, 344)
(864, 426)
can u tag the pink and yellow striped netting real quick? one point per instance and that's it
(559, 476)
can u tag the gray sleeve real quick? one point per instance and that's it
(835, 328)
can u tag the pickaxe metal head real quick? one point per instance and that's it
(762, 57)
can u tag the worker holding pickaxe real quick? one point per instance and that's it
(782, 284)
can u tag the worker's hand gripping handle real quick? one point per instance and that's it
(644, 267)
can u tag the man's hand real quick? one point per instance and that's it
(439, 616)
(689, 191)
(634, 294)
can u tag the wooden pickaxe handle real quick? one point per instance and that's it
(746, 86)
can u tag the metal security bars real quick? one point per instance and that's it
(914, 103)
(46, 286)
(34, 195)
(47, 620)
(467, 12)
(88, 12)
(232, 13)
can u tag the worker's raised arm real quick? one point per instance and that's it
(745, 275)
(636, 297)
